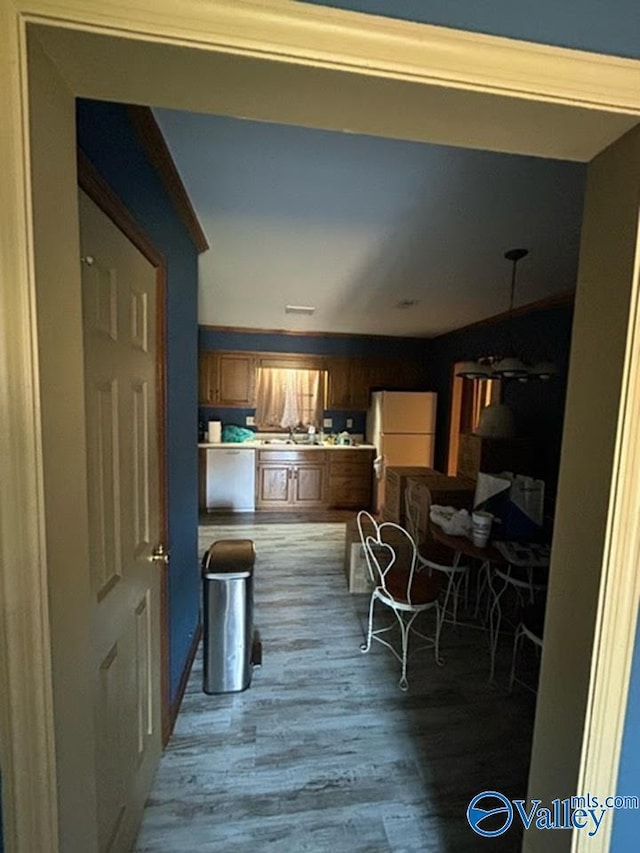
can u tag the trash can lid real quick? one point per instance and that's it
(229, 556)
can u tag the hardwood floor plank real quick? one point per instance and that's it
(323, 752)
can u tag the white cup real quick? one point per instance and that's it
(481, 528)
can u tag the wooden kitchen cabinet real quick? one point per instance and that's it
(349, 383)
(273, 485)
(291, 479)
(227, 379)
(207, 367)
(350, 474)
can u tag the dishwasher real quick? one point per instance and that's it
(231, 479)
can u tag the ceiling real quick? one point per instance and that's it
(355, 225)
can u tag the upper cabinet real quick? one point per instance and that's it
(348, 383)
(227, 379)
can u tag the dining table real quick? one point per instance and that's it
(498, 566)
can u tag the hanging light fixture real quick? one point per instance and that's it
(507, 364)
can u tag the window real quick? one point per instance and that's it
(288, 397)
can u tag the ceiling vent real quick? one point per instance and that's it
(299, 309)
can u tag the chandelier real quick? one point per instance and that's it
(507, 364)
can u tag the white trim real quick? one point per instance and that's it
(367, 44)
(26, 707)
(302, 35)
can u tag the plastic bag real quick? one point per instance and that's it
(454, 522)
(237, 434)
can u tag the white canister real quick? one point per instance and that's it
(481, 528)
(215, 432)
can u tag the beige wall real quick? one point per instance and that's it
(588, 465)
(59, 339)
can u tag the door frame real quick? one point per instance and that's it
(99, 191)
(522, 83)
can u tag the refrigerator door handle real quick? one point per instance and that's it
(378, 467)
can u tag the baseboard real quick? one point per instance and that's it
(175, 705)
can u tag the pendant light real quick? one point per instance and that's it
(507, 364)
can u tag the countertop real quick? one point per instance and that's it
(282, 445)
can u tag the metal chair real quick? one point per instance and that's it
(524, 580)
(431, 554)
(392, 557)
(531, 626)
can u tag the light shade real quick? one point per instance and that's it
(543, 370)
(510, 367)
(503, 363)
(496, 421)
(474, 370)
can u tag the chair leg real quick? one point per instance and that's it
(466, 590)
(457, 586)
(447, 596)
(516, 644)
(481, 582)
(439, 621)
(405, 627)
(364, 647)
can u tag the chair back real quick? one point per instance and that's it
(417, 504)
(391, 555)
(367, 526)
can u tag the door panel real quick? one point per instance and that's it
(408, 450)
(404, 412)
(273, 484)
(119, 310)
(308, 484)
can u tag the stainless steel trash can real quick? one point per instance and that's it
(227, 579)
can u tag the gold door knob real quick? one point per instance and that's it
(159, 555)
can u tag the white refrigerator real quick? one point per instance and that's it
(401, 425)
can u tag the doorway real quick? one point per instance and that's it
(141, 89)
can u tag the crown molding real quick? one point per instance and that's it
(566, 298)
(249, 330)
(157, 151)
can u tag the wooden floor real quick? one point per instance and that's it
(324, 752)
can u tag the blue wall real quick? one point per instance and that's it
(337, 345)
(596, 25)
(106, 136)
(542, 335)
(626, 824)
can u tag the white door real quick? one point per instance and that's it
(119, 311)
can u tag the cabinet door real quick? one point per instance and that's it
(350, 474)
(339, 396)
(383, 373)
(360, 383)
(273, 489)
(207, 378)
(236, 380)
(309, 484)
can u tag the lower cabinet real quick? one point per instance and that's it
(314, 479)
(350, 478)
(290, 479)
